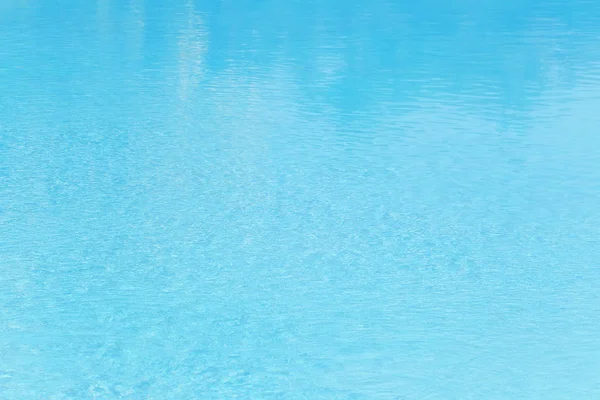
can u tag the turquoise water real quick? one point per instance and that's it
(299, 199)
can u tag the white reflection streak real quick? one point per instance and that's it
(192, 44)
(137, 10)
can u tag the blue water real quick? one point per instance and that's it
(299, 199)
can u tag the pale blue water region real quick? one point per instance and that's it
(299, 199)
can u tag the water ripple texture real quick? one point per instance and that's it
(299, 199)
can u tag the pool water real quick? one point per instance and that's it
(299, 199)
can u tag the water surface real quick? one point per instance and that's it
(299, 200)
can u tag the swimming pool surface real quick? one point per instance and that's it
(299, 199)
